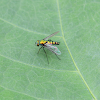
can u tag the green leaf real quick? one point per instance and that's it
(26, 75)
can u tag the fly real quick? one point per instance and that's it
(49, 44)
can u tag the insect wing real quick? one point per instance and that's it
(53, 49)
(50, 35)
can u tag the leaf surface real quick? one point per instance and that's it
(26, 75)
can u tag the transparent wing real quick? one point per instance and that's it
(53, 49)
(50, 35)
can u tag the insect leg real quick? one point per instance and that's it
(39, 49)
(46, 55)
(57, 57)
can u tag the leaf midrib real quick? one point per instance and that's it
(78, 71)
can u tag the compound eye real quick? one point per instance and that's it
(37, 42)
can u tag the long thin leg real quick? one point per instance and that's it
(57, 57)
(39, 49)
(46, 55)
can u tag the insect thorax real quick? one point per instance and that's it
(43, 42)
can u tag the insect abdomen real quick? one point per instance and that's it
(55, 43)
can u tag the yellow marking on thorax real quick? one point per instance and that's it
(43, 42)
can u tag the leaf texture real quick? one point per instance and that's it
(26, 75)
